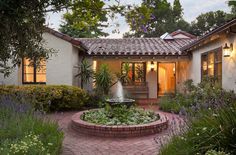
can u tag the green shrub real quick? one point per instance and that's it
(24, 132)
(174, 103)
(103, 80)
(206, 94)
(213, 129)
(49, 97)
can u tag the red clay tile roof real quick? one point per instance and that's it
(134, 46)
(184, 33)
(65, 37)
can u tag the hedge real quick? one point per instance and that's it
(49, 97)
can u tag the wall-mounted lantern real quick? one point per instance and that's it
(152, 66)
(227, 50)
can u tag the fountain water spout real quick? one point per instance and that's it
(118, 98)
(119, 94)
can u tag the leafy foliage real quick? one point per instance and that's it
(103, 80)
(85, 73)
(175, 103)
(232, 4)
(23, 23)
(120, 115)
(49, 98)
(155, 17)
(206, 94)
(213, 129)
(85, 19)
(23, 131)
(206, 22)
(21, 30)
(213, 152)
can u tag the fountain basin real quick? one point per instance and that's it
(120, 131)
(116, 101)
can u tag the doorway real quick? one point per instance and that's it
(166, 78)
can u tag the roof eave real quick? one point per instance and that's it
(215, 31)
(67, 38)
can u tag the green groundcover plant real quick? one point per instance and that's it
(24, 131)
(211, 129)
(120, 115)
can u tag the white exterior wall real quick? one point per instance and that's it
(60, 65)
(75, 69)
(228, 63)
(60, 68)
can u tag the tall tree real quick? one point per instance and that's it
(206, 22)
(164, 18)
(23, 23)
(177, 10)
(83, 23)
(21, 27)
(232, 5)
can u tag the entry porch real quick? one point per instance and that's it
(147, 78)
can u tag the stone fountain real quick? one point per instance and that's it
(118, 131)
(119, 97)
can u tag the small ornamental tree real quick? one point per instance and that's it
(85, 73)
(103, 80)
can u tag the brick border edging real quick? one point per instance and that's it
(119, 131)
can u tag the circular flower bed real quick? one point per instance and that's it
(120, 116)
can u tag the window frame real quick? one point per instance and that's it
(34, 74)
(133, 70)
(216, 52)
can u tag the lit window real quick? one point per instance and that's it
(212, 65)
(136, 72)
(32, 73)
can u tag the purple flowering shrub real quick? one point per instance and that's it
(25, 131)
(212, 129)
(207, 94)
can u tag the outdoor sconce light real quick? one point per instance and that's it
(152, 66)
(227, 50)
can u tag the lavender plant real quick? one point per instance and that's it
(207, 94)
(19, 122)
(214, 129)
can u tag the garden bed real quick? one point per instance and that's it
(120, 115)
(118, 130)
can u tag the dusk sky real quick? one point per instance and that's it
(192, 8)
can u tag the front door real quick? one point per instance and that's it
(166, 78)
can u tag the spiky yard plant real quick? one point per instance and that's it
(85, 73)
(103, 80)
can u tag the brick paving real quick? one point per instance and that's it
(80, 144)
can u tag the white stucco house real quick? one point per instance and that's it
(157, 65)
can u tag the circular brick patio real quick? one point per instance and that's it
(81, 144)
